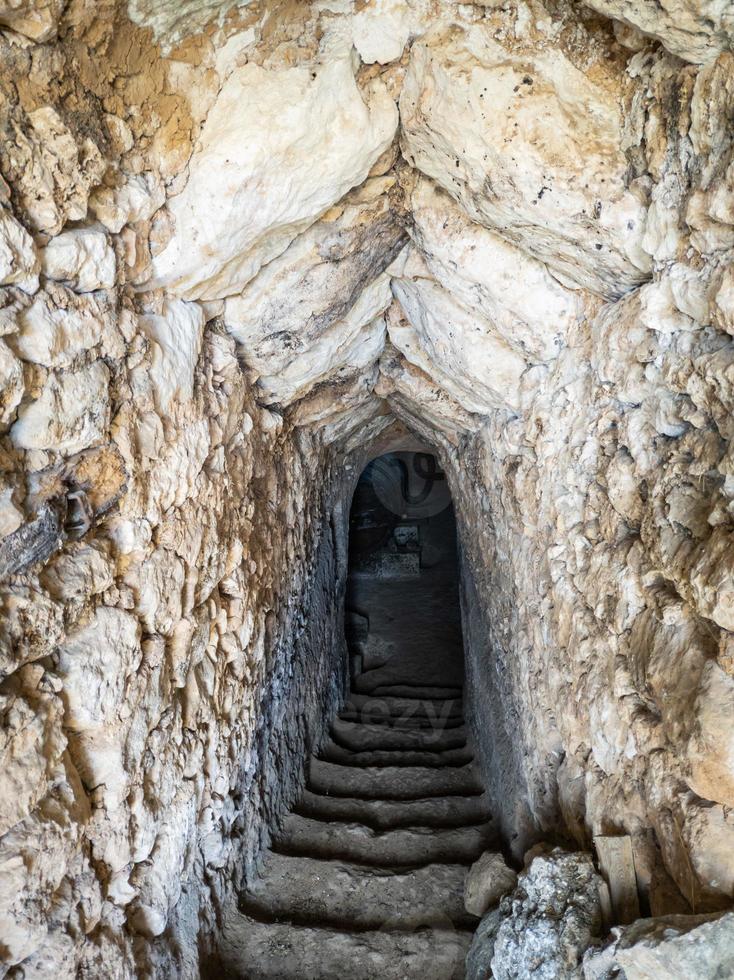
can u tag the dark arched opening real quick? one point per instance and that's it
(403, 620)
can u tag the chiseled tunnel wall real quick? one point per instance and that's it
(245, 247)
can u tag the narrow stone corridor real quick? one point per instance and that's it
(366, 876)
(366, 489)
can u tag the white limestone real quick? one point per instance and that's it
(507, 132)
(696, 31)
(82, 259)
(175, 336)
(70, 414)
(18, 259)
(252, 188)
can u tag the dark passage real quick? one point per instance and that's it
(402, 615)
(365, 878)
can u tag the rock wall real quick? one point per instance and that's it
(246, 246)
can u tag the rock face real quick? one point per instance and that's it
(676, 946)
(244, 248)
(488, 881)
(544, 928)
(517, 129)
(695, 32)
(246, 199)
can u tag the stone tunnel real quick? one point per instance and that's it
(254, 254)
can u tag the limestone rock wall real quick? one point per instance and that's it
(242, 247)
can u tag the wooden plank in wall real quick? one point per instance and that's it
(617, 865)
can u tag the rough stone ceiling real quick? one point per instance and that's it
(401, 208)
(340, 248)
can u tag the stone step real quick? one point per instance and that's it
(405, 722)
(331, 752)
(372, 710)
(308, 891)
(253, 950)
(446, 811)
(391, 782)
(368, 738)
(381, 687)
(357, 843)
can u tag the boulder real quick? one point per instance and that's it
(488, 881)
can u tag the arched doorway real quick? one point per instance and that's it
(402, 617)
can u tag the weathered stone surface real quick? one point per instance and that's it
(71, 413)
(18, 259)
(36, 19)
(81, 259)
(675, 946)
(488, 881)
(315, 283)
(172, 19)
(516, 129)
(695, 31)
(165, 675)
(11, 383)
(529, 309)
(481, 951)
(470, 361)
(58, 326)
(548, 923)
(277, 181)
(176, 337)
(51, 174)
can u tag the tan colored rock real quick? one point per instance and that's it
(80, 571)
(52, 174)
(172, 20)
(36, 19)
(11, 383)
(71, 413)
(489, 879)
(711, 753)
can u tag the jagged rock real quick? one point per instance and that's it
(313, 285)
(18, 258)
(51, 174)
(12, 385)
(58, 326)
(481, 951)
(36, 19)
(537, 289)
(276, 187)
(696, 32)
(529, 309)
(518, 176)
(81, 259)
(673, 946)
(71, 413)
(471, 362)
(488, 881)
(176, 337)
(548, 923)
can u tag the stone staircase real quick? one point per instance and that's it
(365, 879)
